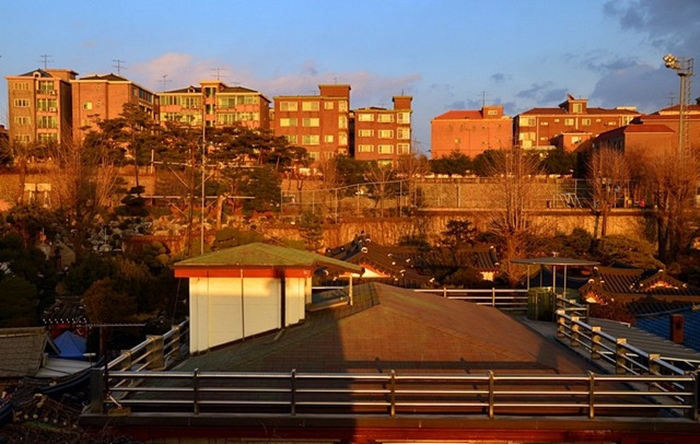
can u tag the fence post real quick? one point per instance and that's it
(195, 390)
(492, 396)
(97, 391)
(695, 398)
(620, 356)
(175, 353)
(595, 342)
(444, 292)
(154, 347)
(574, 331)
(493, 297)
(591, 395)
(393, 393)
(561, 324)
(294, 392)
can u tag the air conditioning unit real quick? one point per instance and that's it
(52, 92)
(52, 109)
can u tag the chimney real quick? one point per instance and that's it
(677, 321)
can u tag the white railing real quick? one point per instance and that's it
(502, 298)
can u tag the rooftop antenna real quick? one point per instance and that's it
(164, 80)
(483, 98)
(118, 64)
(218, 72)
(671, 98)
(45, 59)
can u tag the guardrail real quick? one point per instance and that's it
(156, 352)
(391, 394)
(502, 298)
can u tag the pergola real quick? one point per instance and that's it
(554, 262)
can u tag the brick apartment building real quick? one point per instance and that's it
(40, 106)
(655, 132)
(383, 134)
(567, 125)
(319, 123)
(470, 132)
(218, 103)
(100, 97)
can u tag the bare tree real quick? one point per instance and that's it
(512, 195)
(608, 176)
(670, 179)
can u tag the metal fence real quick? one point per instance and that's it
(643, 384)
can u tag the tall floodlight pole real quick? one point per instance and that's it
(684, 68)
(204, 171)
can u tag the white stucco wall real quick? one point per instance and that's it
(224, 309)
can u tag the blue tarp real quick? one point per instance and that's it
(71, 345)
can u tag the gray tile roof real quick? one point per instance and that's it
(22, 351)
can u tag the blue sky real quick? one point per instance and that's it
(447, 54)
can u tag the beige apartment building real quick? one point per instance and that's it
(40, 106)
(217, 104)
(101, 97)
(383, 134)
(319, 123)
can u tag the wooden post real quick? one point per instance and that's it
(97, 391)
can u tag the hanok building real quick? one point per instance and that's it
(567, 125)
(470, 132)
(383, 134)
(103, 96)
(216, 103)
(319, 123)
(40, 106)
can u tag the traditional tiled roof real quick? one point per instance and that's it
(22, 351)
(629, 284)
(66, 310)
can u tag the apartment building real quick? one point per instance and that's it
(383, 134)
(217, 103)
(567, 125)
(470, 132)
(319, 123)
(101, 97)
(40, 106)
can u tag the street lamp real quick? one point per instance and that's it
(684, 68)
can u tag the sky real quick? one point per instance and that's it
(446, 54)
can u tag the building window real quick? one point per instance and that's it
(310, 139)
(329, 138)
(87, 105)
(544, 123)
(288, 121)
(328, 105)
(313, 155)
(403, 148)
(310, 122)
(578, 108)
(527, 121)
(403, 117)
(309, 106)
(386, 149)
(365, 117)
(386, 134)
(342, 122)
(492, 112)
(343, 105)
(586, 122)
(47, 137)
(292, 138)
(21, 103)
(45, 87)
(343, 139)
(289, 106)
(20, 86)
(46, 122)
(49, 105)
(365, 133)
(403, 133)
(22, 120)
(386, 118)
(569, 122)
(365, 148)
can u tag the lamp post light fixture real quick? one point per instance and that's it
(684, 68)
